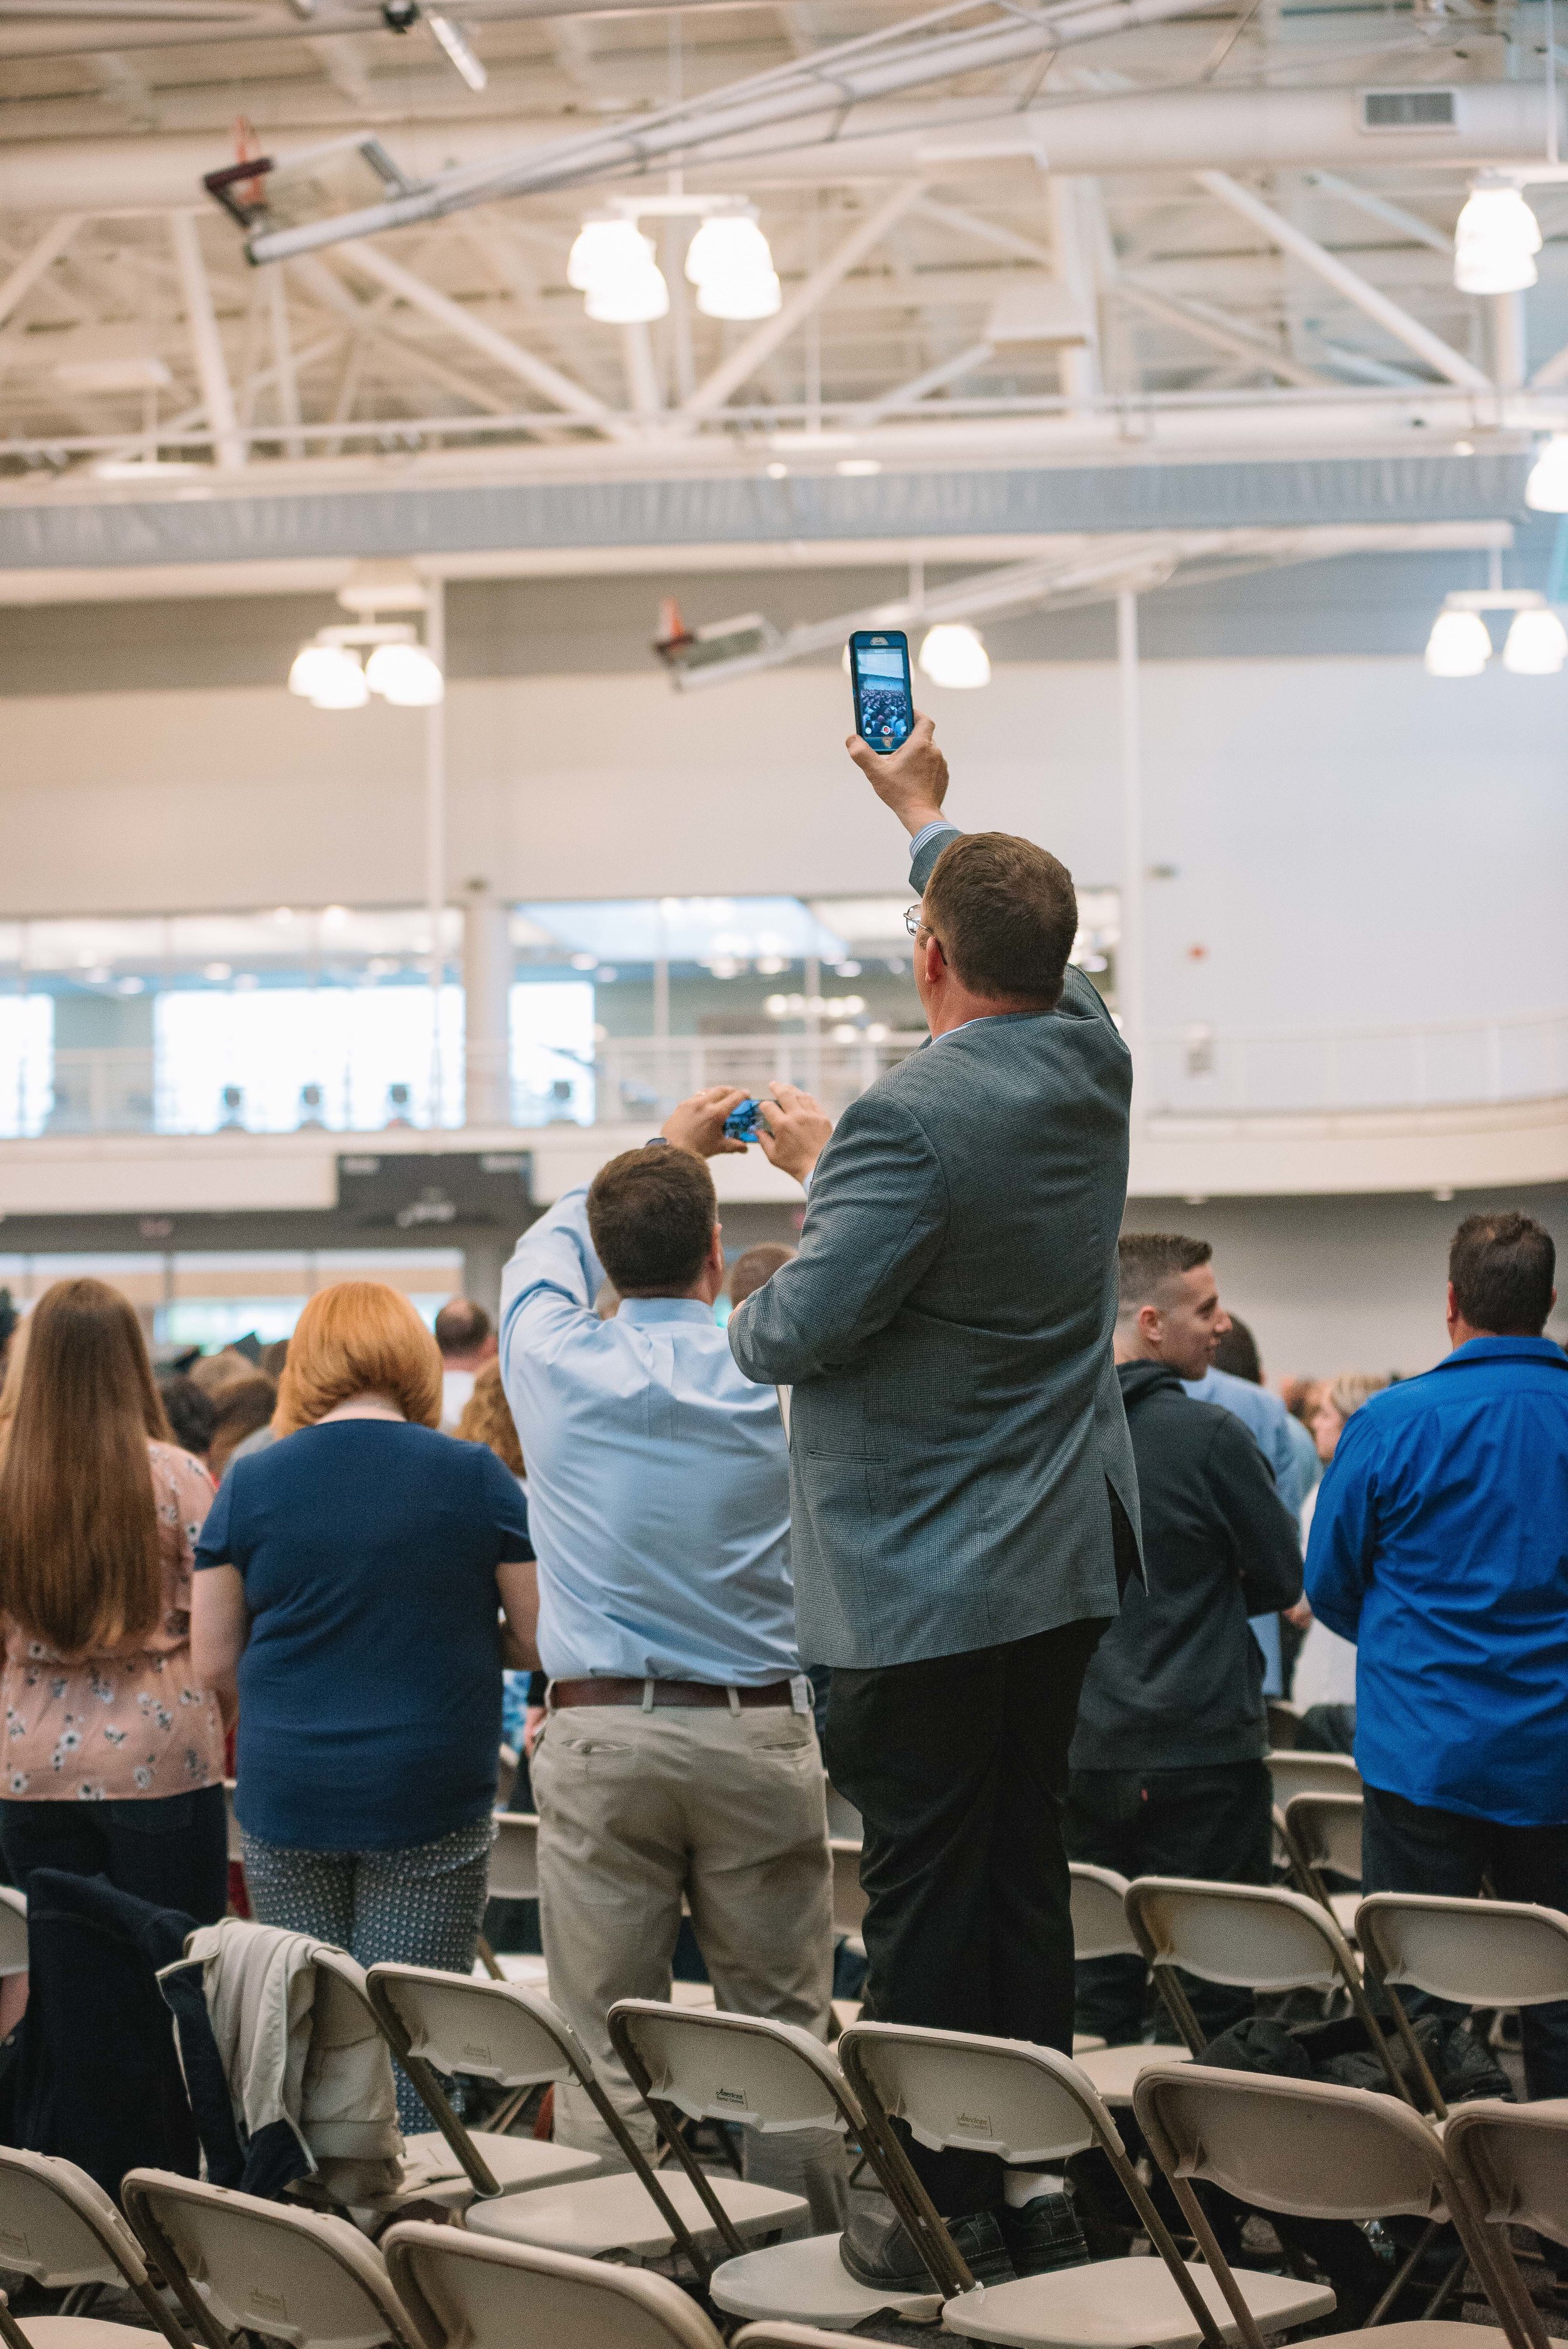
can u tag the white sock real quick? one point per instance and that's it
(1022, 2186)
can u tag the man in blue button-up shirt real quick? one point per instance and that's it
(1439, 1544)
(679, 1756)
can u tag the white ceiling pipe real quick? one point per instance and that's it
(902, 59)
(1499, 122)
(158, 30)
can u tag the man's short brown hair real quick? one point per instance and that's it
(1145, 1261)
(1503, 1267)
(1004, 914)
(652, 1214)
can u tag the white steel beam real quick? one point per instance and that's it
(716, 388)
(1378, 207)
(641, 375)
(920, 386)
(206, 344)
(283, 368)
(34, 263)
(574, 399)
(1222, 334)
(1288, 238)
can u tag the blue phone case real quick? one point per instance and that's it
(884, 696)
(740, 1125)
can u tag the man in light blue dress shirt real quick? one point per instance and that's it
(1270, 1427)
(679, 1756)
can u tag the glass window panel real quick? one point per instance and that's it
(27, 1062)
(353, 1044)
(687, 929)
(552, 1025)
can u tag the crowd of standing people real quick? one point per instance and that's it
(987, 1488)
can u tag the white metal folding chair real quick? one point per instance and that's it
(240, 2264)
(1323, 1837)
(1473, 1952)
(776, 2078)
(1298, 1773)
(13, 1932)
(1511, 2161)
(513, 1867)
(1100, 1930)
(848, 1901)
(463, 2291)
(1033, 2108)
(1253, 1937)
(451, 2163)
(1316, 2151)
(59, 2227)
(843, 1820)
(513, 2036)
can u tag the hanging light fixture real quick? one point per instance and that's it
(1496, 242)
(329, 676)
(731, 264)
(1547, 487)
(953, 655)
(1458, 644)
(1537, 643)
(611, 262)
(406, 676)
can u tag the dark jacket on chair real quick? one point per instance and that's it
(1177, 1681)
(94, 2073)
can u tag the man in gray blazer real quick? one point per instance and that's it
(964, 1496)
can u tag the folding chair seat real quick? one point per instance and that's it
(1252, 1937)
(769, 2076)
(1323, 1835)
(451, 2163)
(1033, 2108)
(59, 2227)
(1100, 1930)
(1511, 2161)
(1296, 1773)
(465, 2293)
(1473, 1952)
(504, 2031)
(1316, 2151)
(237, 2263)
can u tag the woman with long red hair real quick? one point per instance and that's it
(112, 1759)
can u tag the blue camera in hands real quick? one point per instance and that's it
(740, 1125)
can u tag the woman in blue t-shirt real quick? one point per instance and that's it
(355, 1577)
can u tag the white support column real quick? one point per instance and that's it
(435, 832)
(487, 1007)
(1509, 347)
(1130, 967)
(206, 343)
(1079, 363)
(641, 375)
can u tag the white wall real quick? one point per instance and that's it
(1355, 841)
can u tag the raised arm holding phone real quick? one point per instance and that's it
(964, 1496)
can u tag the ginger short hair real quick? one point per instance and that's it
(358, 1336)
(1004, 914)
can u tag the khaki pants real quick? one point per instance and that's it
(636, 1809)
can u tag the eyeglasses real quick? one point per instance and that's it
(912, 918)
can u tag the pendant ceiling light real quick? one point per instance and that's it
(1547, 487)
(954, 655)
(730, 263)
(329, 677)
(406, 676)
(611, 262)
(1495, 243)
(1537, 643)
(1458, 644)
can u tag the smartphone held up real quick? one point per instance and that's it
(884, 698)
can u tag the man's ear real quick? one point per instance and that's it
(1150, 1324)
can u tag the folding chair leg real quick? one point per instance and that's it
(487, 1959)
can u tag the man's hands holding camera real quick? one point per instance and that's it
(912, 779)
(792, 1130)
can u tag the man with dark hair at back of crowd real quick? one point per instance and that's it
(1440, 1545)
(678, 1755)
(467, 1341)
(1168, 1773)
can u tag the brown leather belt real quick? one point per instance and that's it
(667, 1692)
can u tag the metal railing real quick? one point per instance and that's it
(1438, 1064)
(634, 1080)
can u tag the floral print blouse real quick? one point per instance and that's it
(131, 1723)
